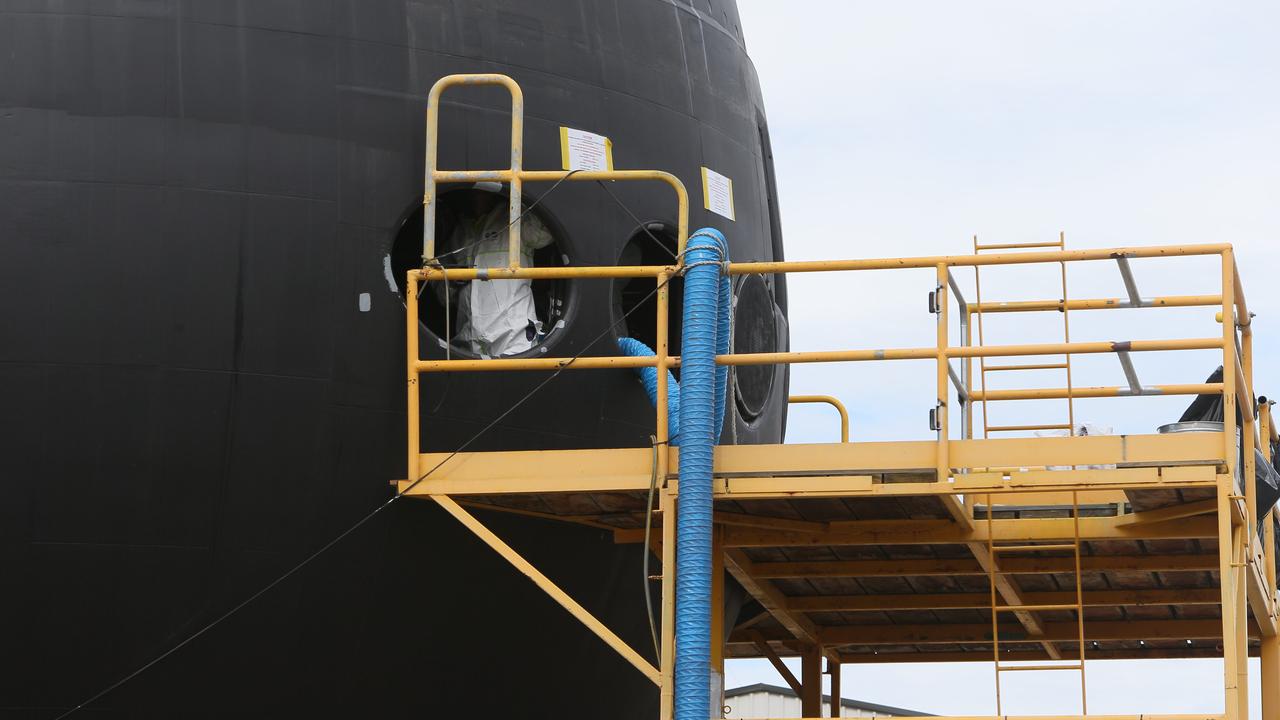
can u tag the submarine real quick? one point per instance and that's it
(209, 208)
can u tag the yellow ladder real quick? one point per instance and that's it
(995, 552)
(984, 368)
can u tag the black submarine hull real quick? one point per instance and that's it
(206, 210)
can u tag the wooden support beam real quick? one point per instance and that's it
(1053, 632)
(933, 532)
(838, 636)
(951, 656)
(834, 670)
(766, 651)
(741, 568)
(770, 523)
(967, 566)
(753, 620)
(811, 682)
(982, 601)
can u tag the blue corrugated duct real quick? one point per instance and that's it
(649, 378)
(705, 331)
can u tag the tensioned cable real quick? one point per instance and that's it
(517, 219)
(370, 515)
(642, 224)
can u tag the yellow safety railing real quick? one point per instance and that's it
(1234, 341)
(1236, 349)
(826, 400)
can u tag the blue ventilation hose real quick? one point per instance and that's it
(722, 337)
(649, 378)
(705, 330)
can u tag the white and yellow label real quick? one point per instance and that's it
(582, 150)
(717, 193)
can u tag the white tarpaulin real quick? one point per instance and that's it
(498, 317)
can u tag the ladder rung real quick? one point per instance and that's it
(1016, 428)
(1036, 608)
(1015, 246)
(1032, 548)
(1076, 666)
(1030, 366)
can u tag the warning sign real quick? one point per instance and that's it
(717, 193)
(582, 150)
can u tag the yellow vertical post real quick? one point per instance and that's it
(1066, 336)
(663, 342)
(982, 360)
(944, 460)
(1234, 610)
(667, 504)
(515, 205)
(1230, 447)
(411, 360)
(811, 682)
(1075, 514)
(429, 173)
(993, 569)
(1241, 619)
(1230, 660)
(667, 644)
(968, 376)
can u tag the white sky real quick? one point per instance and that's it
(907, 128)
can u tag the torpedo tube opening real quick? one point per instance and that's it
(496, 317)
(634, 300)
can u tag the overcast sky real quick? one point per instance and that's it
(907, 128)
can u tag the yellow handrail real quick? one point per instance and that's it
(1234, 341)
(833, 402)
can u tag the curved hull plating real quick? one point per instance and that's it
(202, 355)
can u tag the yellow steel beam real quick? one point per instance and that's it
(1096, 392)
(548, 272)
(1172, 512)
(1091, 716)
(872, 457)
(1259, 596)
(841, 466)
(967, 566)
(1095, 304)
(825, 356)
(982, 600)
(550, 588)
(1015, 258)
(966, 351)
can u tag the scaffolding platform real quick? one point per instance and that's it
(1032, 553)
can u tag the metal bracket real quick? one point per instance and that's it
(1130, 285)
(1130, 373)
